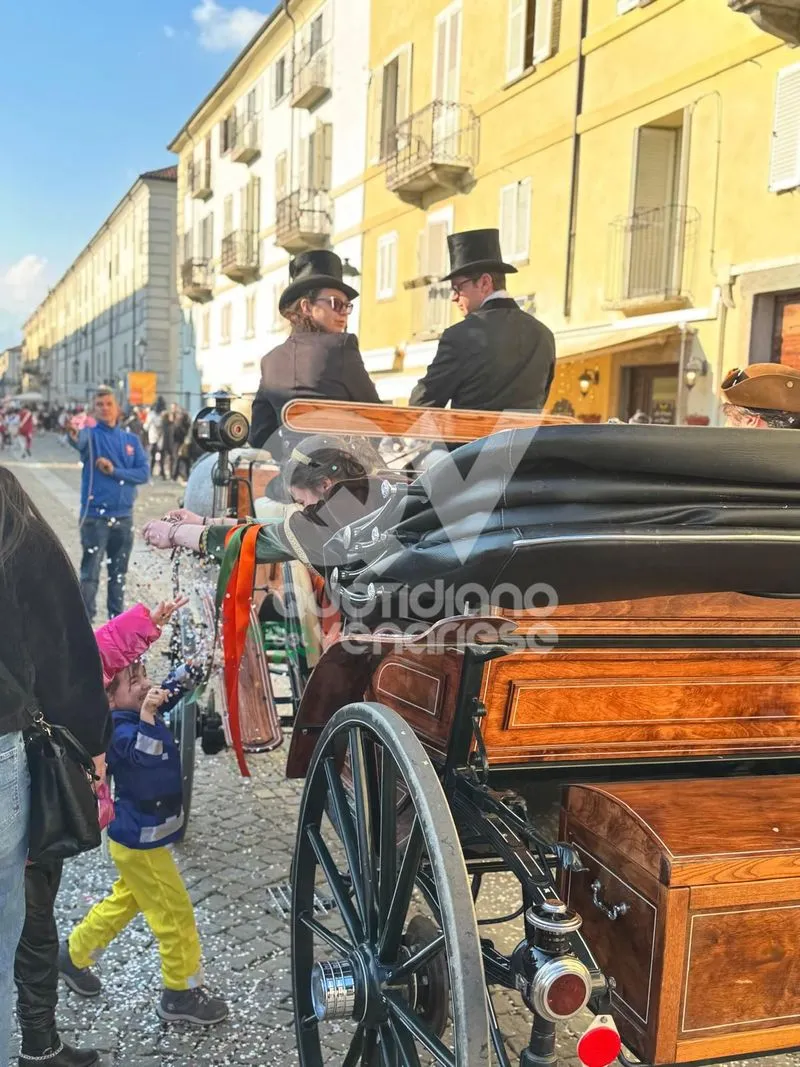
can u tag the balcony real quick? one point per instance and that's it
(197, 279)
(778, 17)
(431, 308)
(246, 141)
(303, 220)
(650, 264)
(200, 179)
(239, 260)
(434, 149)
(312, 79)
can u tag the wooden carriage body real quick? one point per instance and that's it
(671, 727)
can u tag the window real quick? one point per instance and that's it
(225, 324)
(315, 36)
(228, 216)
(207, 238)
(515, 221)
(784, 162)
(278, 321)
(530, 35)
(250, 316)
(391, 103)
(387, 266)
(316, 158)
(205, 330)
(251, 108)
(227, 133)
(280, 81)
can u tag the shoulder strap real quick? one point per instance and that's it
(29, 702)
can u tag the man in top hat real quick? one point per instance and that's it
(763, 395)
(319, 360)
(499, 357)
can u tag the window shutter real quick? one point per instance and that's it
(244, 208)
(522, 235)
(543, 31)
(437, 249)
(784, 163)
(280, 176)
(404, 83)
(376, 115)
(508, 211)
(422, 253)
(440, 53)
(302, 163)
(515, 44)
(228, 215)
(254, 191)
(326, 140)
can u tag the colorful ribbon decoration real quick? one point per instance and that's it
(234, 594)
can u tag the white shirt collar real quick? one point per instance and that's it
(498, 294)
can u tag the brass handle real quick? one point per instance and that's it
(613, 911)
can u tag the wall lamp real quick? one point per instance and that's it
(587, 380)
(696, 367)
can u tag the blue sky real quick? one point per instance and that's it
(91, 92)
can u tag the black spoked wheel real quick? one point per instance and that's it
(393, 976)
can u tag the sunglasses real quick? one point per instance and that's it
(457, 287)
(339, 306)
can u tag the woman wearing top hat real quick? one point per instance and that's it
(499, 357)
(319, 360)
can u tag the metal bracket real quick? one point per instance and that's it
(479, 760)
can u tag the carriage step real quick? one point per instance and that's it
(279, 902)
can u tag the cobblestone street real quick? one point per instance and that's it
(239, 843)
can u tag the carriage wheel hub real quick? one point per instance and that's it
(334, 989)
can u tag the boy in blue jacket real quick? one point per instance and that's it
(114, 464)
(148, 815)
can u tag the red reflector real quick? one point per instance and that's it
(567, 995)
(601, 1043)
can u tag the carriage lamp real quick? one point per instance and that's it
(587, 380)
(217, 428)
(554, 983)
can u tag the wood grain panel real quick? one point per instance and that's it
(423, 689)
(743, 970)
(424, 424)
(670, 958)
(259, 475)
(699, 613)
(743, 1043)
(569, 704)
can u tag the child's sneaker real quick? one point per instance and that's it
(79, 979)
(192, 1006)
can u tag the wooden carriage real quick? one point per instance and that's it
(668, 726)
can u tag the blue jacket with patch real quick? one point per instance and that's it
(145, 764)
(110, 495)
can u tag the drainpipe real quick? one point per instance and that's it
(576, 163)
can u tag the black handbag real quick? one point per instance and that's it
(64, 814)
(64, 811)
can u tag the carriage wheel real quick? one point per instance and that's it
(184, 728)
(391, 989)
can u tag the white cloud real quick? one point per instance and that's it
(23, 285)
(23, 280)
(223, 29)
(169, 31)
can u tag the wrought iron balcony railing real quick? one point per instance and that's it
(651, 257)
(431, 309)
(303, 220)
(197, 279)
(239, 260)
(200, 179)
(435, 147)
(246, 140)
(312, 77)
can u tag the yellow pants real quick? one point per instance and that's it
(149, 881)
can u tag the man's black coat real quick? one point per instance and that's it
(309, 366)
(499, 358)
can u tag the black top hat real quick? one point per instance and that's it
(318, 269)
(476, 252)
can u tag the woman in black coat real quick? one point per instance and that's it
(48, 660)
(320, 360)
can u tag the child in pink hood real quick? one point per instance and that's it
(121, 641)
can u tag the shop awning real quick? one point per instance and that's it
(615, 341)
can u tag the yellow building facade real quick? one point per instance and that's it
(642, 162)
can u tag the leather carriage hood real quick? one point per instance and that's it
(597, 512)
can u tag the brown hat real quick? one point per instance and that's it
(764, 387)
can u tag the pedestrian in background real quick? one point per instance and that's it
(152, 427)
(48, 659)
(114, 464)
